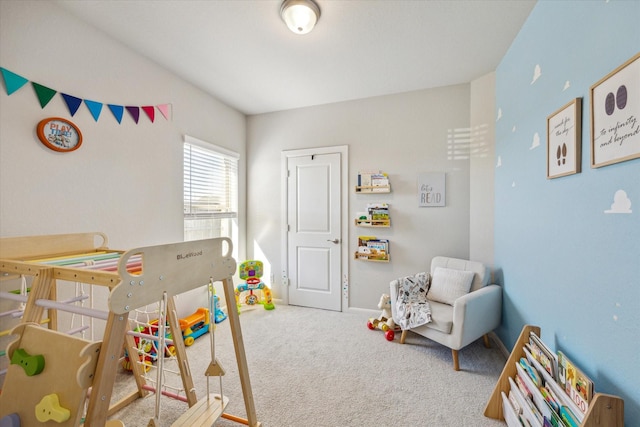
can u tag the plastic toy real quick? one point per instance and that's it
(251, 272)
(218, 315)
(32, 365)
(11, 420)
(384, 322)
(195, 325)
(49, 409)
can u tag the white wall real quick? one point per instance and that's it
(126, 179)
(403, 135)
(482, 168)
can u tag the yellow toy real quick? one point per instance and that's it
(251, 272)
(49, 409)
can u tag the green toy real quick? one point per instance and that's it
(32, 365)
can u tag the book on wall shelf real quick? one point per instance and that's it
(377, 215)
(370, 248)
(373, 182)
(540, 388)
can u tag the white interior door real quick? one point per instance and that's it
(314, 230)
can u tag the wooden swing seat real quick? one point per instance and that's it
(204, 413)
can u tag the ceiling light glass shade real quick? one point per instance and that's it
(300, 15)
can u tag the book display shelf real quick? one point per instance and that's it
(372, 248)
(527, 391)
(373, 182)
(377, 215)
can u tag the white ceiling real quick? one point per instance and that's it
(242, 53)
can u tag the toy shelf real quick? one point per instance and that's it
(373, 223)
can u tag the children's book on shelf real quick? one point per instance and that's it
(364, 179)
(373, 181)
(543, 355)
(370, 247)
(527, 393)
(379, 182)
(548, 389)
(377, 215)
(378, 211)
(577, 385)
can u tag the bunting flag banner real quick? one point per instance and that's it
(12, 81)
(135, 113)
(117, 111)
(73, 103)
(94, 107)
(44, 93)
(164, 110)
(151, 112)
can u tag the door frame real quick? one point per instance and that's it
(343, 150)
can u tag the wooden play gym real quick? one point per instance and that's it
(51, 373)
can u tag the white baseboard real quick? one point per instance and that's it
(498, 342)
(367, 311)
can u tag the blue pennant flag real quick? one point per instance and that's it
(94, 107)
(118, 111)
(73, 103)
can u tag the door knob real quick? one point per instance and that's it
(336, 241)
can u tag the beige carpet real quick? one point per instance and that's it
(326, 369)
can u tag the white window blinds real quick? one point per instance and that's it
(210, 188)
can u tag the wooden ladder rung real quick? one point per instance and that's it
(204, 413)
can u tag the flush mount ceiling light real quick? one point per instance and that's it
(300, 15)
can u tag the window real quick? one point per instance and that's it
(210, 191)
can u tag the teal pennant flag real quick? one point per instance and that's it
(73, 103)
(44, 93)
(12, 81)
(94, 107)
(117, 111)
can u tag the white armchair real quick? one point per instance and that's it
(464, 318)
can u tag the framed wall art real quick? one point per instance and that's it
(564, 140)
(615, 115)
(431, 189)
(59, 134)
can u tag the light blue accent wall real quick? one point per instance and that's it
(564, 264)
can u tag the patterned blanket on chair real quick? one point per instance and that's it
(412, 307)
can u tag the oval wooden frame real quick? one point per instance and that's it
(42, 137)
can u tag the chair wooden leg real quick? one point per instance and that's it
(486, 340)
(403, 336)
(456, 364)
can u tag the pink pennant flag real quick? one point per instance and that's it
(150, 112)
(164, 110)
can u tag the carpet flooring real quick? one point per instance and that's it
(321, 368)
